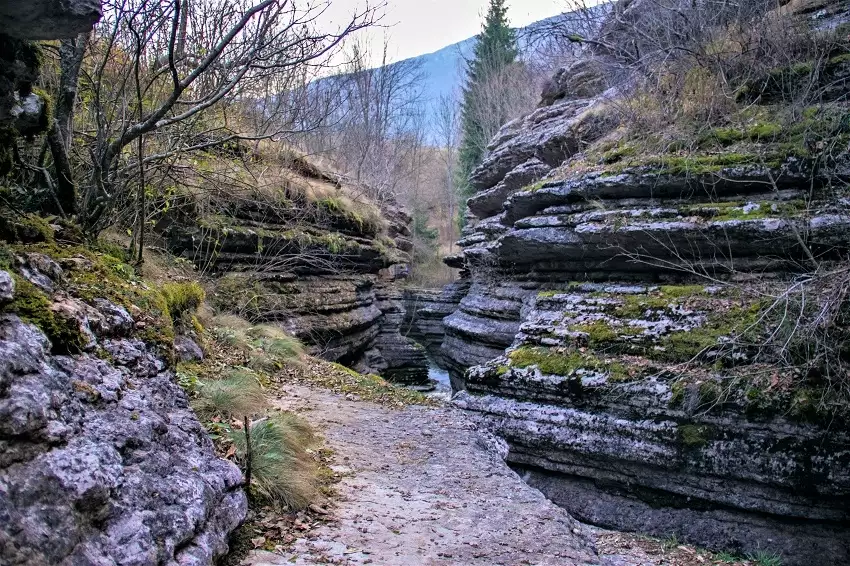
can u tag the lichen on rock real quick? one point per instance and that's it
(626, 299)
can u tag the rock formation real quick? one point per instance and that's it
(48, 19)
(614, 333)
(425, 310)
(323, 272)
(102, 461)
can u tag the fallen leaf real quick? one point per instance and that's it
(258, 542)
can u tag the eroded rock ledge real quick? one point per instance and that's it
(425, 310)
(325, 273)
(611, 330)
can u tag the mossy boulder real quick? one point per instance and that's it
(87, 277)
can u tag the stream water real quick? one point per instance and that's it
(441, 377)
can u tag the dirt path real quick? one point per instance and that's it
(422, 486)
(425, 488)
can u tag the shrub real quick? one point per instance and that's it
(236, 395)
(282, 471)
(764, 558)
(183, 298)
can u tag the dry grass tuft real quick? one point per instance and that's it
(236, 395)
(283, 472)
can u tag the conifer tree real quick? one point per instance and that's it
(495, 50)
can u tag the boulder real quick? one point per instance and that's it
(105, 462)
(187, 350)
(583, 79)
(48, 19)
(7, 287)
(550, 134)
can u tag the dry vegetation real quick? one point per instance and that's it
(245, 370)
(670, 552)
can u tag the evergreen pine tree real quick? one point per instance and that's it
(496, 49)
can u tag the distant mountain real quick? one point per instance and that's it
(443, 70)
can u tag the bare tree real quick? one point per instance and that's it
(375, 132)
(448, 134)
(179, 77)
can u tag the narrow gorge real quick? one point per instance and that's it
(220, 350)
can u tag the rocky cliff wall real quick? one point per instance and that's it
(321, 271)
(617, 328)
(102, 461)
(425, 310)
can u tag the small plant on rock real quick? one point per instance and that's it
(183, 298)
(765, 558)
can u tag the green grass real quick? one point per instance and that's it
(283, 473)
(275, 342)
(670, 542)
(183, 298)
(765, 558)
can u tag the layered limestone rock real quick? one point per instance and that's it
(318, 268)
(620, 330)
(571, 116)
(638, 405)
(102, 461)
(394, 355)
(425, 310)
(616, 404)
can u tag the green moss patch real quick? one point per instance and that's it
(27, 228)
(32, 305)
(566, 363)
(90, 276)
(694, 436)
(739, 210)
(715, 316)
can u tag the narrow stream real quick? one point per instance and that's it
(439, 385)
(441, 377)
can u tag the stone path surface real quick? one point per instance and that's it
(425, 487)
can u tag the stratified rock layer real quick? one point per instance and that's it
(610, 333)
(323, 273)
(425, 310)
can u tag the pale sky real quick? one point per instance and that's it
(423, 26)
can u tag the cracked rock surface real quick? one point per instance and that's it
(104, 463)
